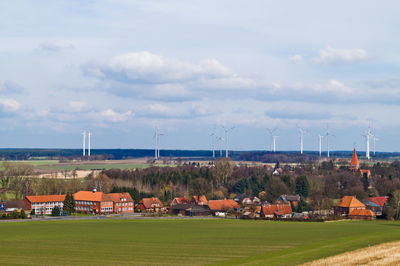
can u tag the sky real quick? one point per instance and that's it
(121, 68)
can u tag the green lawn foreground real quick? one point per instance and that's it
(172, 242)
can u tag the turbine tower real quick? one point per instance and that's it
(320, 137)
(302, 132)
(368, 135)
(375, 139)
(89, 135)
(220, 139)
(84, 143)
(155, 137)
(273, 138)
(212, 135)
(226, 139)
(327, 135)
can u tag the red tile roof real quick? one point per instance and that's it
(354, 160)
(149, 203)
(222, 205)
(365, 213)
(46, 198)
(180, 200)
(90, 196)
(278, 209)
(202, 200)
(350, 202)
(116, 197)
(379, 200)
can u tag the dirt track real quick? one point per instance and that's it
(383, 254)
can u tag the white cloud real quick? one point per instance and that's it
(9, 105)
(76, 106)
(334, 55)
(296, 58)
(110, 115)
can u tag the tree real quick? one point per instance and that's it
(391, 209)
(302, 205)
(23, 214)
(33, 212)
(302, 186)
(69, 204)
(223, 170)
(55, 211)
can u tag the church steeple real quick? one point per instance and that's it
(354, 164)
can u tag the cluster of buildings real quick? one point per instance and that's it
(367, 209)
(85, 202)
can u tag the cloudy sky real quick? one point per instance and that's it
(120, 68)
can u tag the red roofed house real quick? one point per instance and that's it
(202, 200)
(177, 201)
(223, 205)
(354, 163)
(150, 205)
(123, 202)
(44, 204)
(93, 202)
(362, 214)
(348, 204)
(276, 211)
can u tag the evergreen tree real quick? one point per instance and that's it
(55, 211)
(302, 205)
(69, 203)
(302, 186)
(23, 214)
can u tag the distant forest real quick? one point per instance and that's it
(118, 154)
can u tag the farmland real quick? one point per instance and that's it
(195, 241)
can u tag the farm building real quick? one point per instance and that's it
(44, 204)
(179, 200)
(223, 205)
(362, 214)
(151, 205)
(274, 211)
(348, 204)
(199, 200)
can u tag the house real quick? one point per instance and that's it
(197, 210)
(177, 209)
(289, 199)
(15, 205)
(274, 211)
(251, 201)
(122, 202)
(362, 214)
(199, 200)
(354, 163)
(348, 204)
(150, 205)
(376, 204)
(178, 200)
(240, 198)
(223, 205)
(44, 204)
(93, 202)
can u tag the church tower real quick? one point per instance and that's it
(354, 164)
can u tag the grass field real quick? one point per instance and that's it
(172, 242)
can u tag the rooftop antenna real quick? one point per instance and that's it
(89, 135)
(327, 135)
(302, 132)
(273, 138)
(84, 143)
(226, 139)
(320, 137)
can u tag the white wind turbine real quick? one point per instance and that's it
(302, 132)
(156, 137)
(375, 139)
(84, 143)
(220, 139)
(226, 130)
(212, 135)
(368, 135)
(327, 135)
(273, 138)
(320, 137)
(89, 135)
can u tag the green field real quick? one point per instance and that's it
(171, 242)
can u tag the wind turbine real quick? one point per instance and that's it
(84, 143)
(156, 137)
(375, 140)
(327, 135)
(220, 139)
(367, 137)
(320, 137)
(226, 139)
(89, 135)
(212, 135)
(302, 132)
(273, 138)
